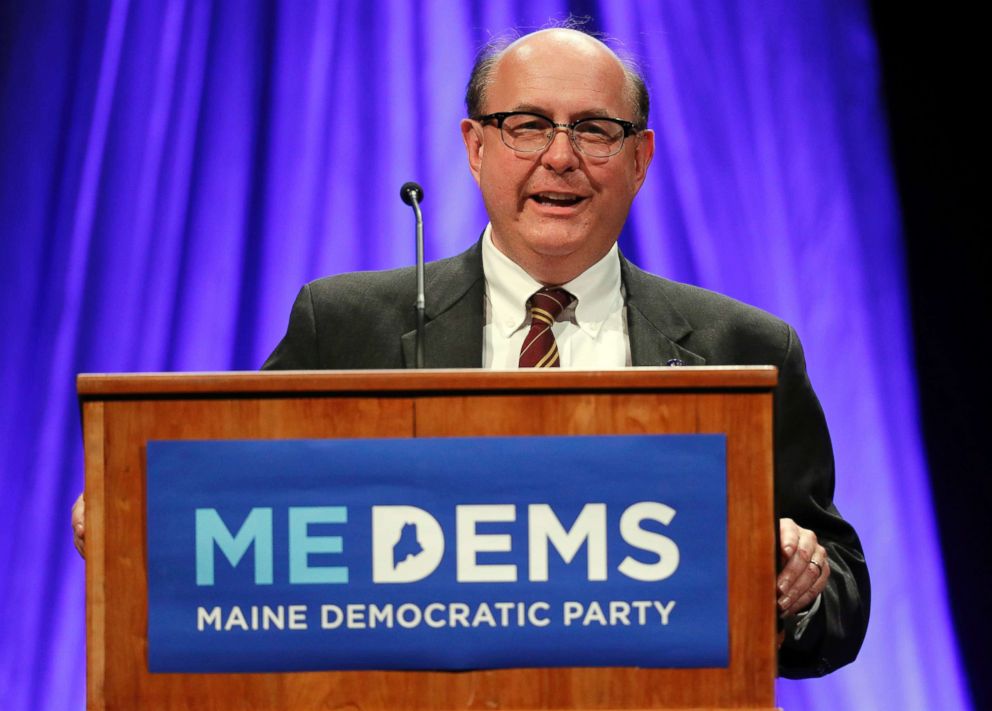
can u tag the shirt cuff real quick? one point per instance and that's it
(802, 619)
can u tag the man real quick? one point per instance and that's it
(557, 142)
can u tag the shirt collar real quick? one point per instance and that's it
(597, 290)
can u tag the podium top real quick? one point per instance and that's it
(97, 386)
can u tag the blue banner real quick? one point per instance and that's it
(453, 553)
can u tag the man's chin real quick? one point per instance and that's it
(557, 259)
(554, 236)
(552, 252)
(554, 244)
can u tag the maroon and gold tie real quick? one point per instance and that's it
(539, 349)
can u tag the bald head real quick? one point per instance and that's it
(532, 47)
(556, 209)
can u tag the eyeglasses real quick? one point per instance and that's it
(528, 133)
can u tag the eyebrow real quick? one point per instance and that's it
(588, 113)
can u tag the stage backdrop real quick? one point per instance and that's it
(172, 172)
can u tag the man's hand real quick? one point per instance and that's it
(79, 524)
(805, 568)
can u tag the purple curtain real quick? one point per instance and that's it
(172, 172)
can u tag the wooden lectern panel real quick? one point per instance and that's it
(121, 413)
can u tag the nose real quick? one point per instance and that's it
(560, 155)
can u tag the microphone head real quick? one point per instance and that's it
(411, 191)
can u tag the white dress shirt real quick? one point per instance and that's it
(591, 333)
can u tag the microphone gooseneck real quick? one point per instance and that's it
(412, 194)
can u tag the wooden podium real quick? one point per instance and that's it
(122, 412)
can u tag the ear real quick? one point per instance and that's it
(472, 135)
(643, 153)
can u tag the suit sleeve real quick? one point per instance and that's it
(804, 486)
(298, 348)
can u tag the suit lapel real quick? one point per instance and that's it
(655, 327)
(455, 291)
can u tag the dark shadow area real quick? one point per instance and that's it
(930, 60)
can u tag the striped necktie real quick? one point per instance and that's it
(539, 349)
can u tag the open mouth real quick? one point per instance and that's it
(557, 199)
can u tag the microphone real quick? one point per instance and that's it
(412, 194)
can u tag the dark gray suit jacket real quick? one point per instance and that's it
(366, 320)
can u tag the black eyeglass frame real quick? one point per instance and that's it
(629, 129)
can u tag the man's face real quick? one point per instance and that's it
(556, 212)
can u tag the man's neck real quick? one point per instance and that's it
(550, 270)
